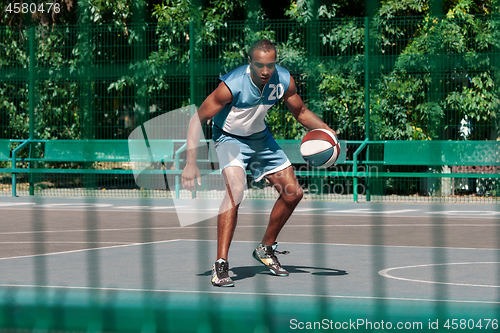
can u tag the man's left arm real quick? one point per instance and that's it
(298, 109)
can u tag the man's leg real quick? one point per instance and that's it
(226, 223)
(291, 193)
(234, 178)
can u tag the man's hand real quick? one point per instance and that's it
(189, 174)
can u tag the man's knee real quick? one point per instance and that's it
(236, 191)
(235, 183)
(299, 194)
(293, 194)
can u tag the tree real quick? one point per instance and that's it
(442, 75)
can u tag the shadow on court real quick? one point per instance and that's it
(246, 272)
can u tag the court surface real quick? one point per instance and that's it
(339, 252)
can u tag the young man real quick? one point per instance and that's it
(238, 107)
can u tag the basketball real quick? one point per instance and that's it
(320, 148)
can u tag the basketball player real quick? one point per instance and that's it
(238, 107)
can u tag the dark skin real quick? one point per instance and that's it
(262, 66)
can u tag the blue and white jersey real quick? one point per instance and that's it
(247, 111)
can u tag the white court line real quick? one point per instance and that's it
(132, 207)
(6, 204)
(68, 242)
(385, 273)
(145, 207)
(89, 249)
(87, 230)
(360, 245)
(377, 225)
(353, 212)
(307, 209)
(370, 211)
(201, 240)
(249, 294)
(78, 205)
(234, 293)
(163, 207)
(358, 210)
(399, 211)
(448, 225)
(468, 212)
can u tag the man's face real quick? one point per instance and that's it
(262, 65)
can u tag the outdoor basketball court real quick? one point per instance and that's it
(399, 263)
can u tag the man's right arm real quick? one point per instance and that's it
(212, 105)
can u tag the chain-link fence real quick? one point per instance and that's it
(412, 78)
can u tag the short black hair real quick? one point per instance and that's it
(263, 45)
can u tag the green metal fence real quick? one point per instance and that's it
(411, 78)
(398, 80)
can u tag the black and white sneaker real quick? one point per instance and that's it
(266, 255)
(220, 274)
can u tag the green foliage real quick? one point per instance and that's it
(56, 111)
(416, 93)
(423, 94)
(13, 93)
(118, 13)
(395, 8)
(342, 78)
(283, 125)
(305, 11)
(426, 73)
(56, 108)
(343, 98)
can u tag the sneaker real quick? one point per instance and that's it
(220, 274)
(266, 254)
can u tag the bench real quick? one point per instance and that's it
(83, 151)
(136, 151)
(89, 151)
(86, 151)
(423, 153)
(442, 152)
(4, 150)
(431, 154)
(438, 153)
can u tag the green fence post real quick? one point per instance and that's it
(367, 103)
(192, 68)
(192, 85)
(32, 99)
(312, 44)
(355, 169)
(367, 78)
